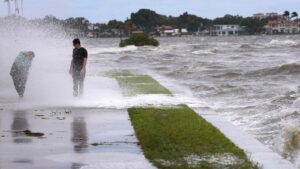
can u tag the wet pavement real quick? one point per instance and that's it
(73, 138)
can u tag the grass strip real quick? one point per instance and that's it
(177, 137)
(132, 84)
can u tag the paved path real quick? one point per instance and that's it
(68, 140)
(75, 138)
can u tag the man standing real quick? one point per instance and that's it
(78, 67)
(20, 70)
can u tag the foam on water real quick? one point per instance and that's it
(277, 43)
(204, 52)
(100, 92)
(288, 143)
(112, 50)
(253, 81)
(105, 160)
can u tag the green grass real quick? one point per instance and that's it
(138, 84)
(139, 39)
(169, 135)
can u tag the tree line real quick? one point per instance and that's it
(147, 20)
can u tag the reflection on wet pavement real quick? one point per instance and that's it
(20, 124)
(76, 166)
(79, 137)
(72, 139)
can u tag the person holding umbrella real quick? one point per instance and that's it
(20, 71)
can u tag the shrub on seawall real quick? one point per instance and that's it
(139, 39)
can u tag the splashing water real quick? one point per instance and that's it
(251, 81)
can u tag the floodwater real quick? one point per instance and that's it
(252, 81)
(76, 135)
(73, 139)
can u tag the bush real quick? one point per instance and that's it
(139, 39)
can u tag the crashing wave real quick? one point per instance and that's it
(205, 52)
(112, 50)
(289, 142)
(227, 75)
(277, 43)
(283, 69)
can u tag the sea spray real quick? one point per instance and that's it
(289, 142)
(112, 50)
(48, 75)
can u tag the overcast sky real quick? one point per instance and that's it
(104, 10)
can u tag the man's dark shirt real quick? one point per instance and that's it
(78, 59)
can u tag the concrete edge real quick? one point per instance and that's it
(257, 151)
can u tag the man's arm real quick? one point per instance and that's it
(83, 70)
(71, 68)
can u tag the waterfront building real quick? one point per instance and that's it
(267, 15)
(283, 26)
(166, 30)
(225, 30)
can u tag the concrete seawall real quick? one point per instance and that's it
(258, 152)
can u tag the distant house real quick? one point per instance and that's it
(106, 34)
(137, 32)
(166, 30)
(165, 27)
(91, 35)
(172, 32)
(225, 30)
(283, 26)
(259, 16)
(184, 31)
(274, 14)
(267, 15)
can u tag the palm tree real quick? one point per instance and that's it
(17, 11)
(294, 15)
(286, 14)
(8, 6)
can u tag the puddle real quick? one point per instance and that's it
(86, 136)
(30, 133)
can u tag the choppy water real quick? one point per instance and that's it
(254, 81)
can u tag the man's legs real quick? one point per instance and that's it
(75, 85)
(78, 85)
(81, 85)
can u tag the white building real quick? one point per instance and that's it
(174, 32)
(266, 15)
(225, 30)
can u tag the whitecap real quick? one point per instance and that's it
(112, 50)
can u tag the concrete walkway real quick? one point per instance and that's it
(258, 152)
(75, 138)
